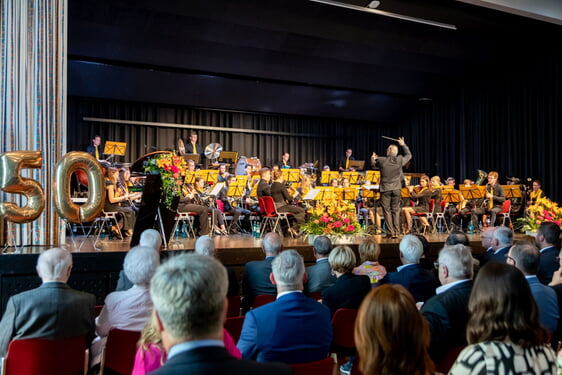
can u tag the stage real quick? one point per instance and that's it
(97, 264)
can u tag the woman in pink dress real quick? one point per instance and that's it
(369, 251)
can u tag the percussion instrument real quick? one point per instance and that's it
(240, 168)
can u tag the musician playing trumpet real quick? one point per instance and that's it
(495, 196)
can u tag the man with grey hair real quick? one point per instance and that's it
(320, 275)
(417, 280)
(129, 309)
(51, 311)
(189, 294)
(502, 240)
(149, 238)
(292, 329)
(447, 311)
(205, 245)
(256, 273)
(391, 183)
(526, 258)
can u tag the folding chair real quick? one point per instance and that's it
(106, 217)
(188, 219)
(428, 215)
(440, 218)
(506, 211)
(270, 217)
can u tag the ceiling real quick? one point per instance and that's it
(294, 56)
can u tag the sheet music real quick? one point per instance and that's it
(311, 194)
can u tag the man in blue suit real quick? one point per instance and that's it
(294, 328)
(526, 258)
(419, 281)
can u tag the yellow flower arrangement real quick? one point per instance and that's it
(172, 169)
(332, 217)
(542, 211)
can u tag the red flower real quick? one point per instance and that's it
(338, 224)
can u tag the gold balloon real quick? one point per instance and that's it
(11, 181)
(62, 193)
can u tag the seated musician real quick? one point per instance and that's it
(334, 183)
(495, 196)
(94, 148)
(437, 197)
(123, 184)
(236, 211)
(223, 173)
(190, 165)
(206, 201)
(190, 202)
(343, 163)
(535, 193)
(264, 189)
(112, 204)
(423, 196)
(464, 208)
(283, 201)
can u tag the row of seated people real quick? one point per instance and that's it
(279, 331)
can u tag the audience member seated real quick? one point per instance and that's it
(129, 309)
(369, 252)
(320, 275)
(447, 311)
(391, 335)
(548, 236)
(349, 289)
(151, 354)
(487, 237)
(256, 273)
(418, 281)
(292, 329)
(148, 238)
(504, 332)
(502, 240)
(526, 258)
(457, 237)
(205, 245)
(189, 295)
(51, 311)
(425, 263)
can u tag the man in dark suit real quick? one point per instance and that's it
(294, 328)
(94, 148)
(52, 311)
(189, 294)
(391, 183)
(447, 312)
(495, 194)
(343, 163)
(417, 280)
(502, 240)
(256, 273)
(320, 275)
(547, 240)
(192, 147)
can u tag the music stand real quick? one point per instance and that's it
(512, 191)
(235, 190)
(369, 191)
(349, 194)
(228, 155)
(405, 193)
(451, 196)
(327, 176)
(190, 177)
(291, 175)
(115, 148)
(373, 176)
(212, 175)
(216, 189)
(325, 193)
(194, 157)
(473, 192)
(358, 165)
(351, 176)
(242, 179)
(254, 191)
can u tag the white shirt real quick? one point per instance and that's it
(444, 288)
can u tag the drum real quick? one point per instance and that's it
(243, 161)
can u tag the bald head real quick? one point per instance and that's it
(392, 150)
(54, 265)
(272, 244)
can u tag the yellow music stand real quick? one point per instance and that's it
(327, 176)
(451, 196)
(235, 190)
(291, 175)
(473, 192)
(226, 155)
(115, 148)
(190, 177)
(194, 157)
(349, 194)
(373, 177)
(358, 165)
(512, 191)
(351, 176)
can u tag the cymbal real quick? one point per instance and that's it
(213, 150)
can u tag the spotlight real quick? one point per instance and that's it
(374, 4)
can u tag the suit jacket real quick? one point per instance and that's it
(499, 256)
(499, 194)
(319, 276)
(216, 361)
(547, 302)
(92, 151)
(256, 281)
(293, 329)
(447, 315)
(343, 161)
(51, 311)
(347, 293)
(233, 288)
(200, 150)
(419, 281)
(548, 264)
(391, 169)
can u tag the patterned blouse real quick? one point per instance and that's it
(372, 269)
(493, 357)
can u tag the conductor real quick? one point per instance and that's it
(391, 183)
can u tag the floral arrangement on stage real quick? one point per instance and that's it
(172, 169)
(542, 211)
(332, 218)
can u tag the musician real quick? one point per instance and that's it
(236, 211)
(207, 201)
(495, 197)
(112, 201)
(192, 147)
(437, 196)
(343, 163)
(264, 189)
(284, 163)
(423, 197)
(450, 181)
(123, 184)
(391, 183)
(326, 168)
(334, 183)
(282, 199)
(535, 193)
(223, 173)
(190, 165)
(94, 148)
(306, 185)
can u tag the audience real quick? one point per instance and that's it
(256, 273)
(502, 240)
(447, 311)
(425, 263)
(129, 309)
(205, 245)
(548, 236)
(292, 329)
(320, 275)
(391, 335)
(149, 238)
(369, 252)
(487, 236)
(526, 258)
(51, 311)
(189, 295)
(457, 237)
(504, 332)
(418, 281)
(349, 290)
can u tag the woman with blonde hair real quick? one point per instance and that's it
(369, 252)
(391, 335)
(423, 196)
